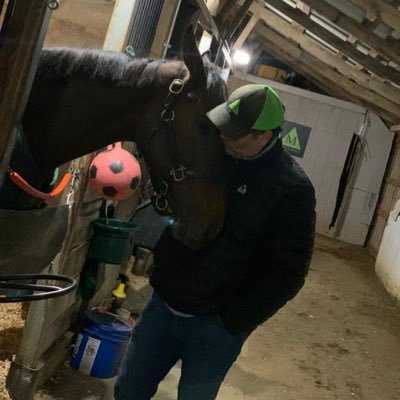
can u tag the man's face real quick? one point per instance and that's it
(246, 146)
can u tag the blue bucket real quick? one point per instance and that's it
(101, 344)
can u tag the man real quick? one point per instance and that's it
(207, 302)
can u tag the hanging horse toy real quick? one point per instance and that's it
(114, 174)
(84, 100)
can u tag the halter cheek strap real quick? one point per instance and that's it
(178, 171)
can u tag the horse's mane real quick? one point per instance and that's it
(107, 66)
(120, 69)
(216, 86)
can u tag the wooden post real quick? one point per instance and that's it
(119, 25)
(19, 54)
(395, 128)
(164, 28)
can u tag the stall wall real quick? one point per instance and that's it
(80, 23)
(51, 324)
(331, 124)
(388, 260)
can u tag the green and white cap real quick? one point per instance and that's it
(252, 107)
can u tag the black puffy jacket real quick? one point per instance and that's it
(260, 258)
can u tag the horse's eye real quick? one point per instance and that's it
(193, 97)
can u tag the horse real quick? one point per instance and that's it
(83, 100)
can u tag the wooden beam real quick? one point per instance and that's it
(245, 32)
(286, 56)
(239, 17)
(311, 66)
(163, 31)
(205, 11)
(388, 48)
(290, 55)
(383, 213)
(119, 25)
(225, 10)
(345, 48)
(395, 128)
(393, 181)
(381, 10)
(18, 59)
(384, 89)
(215, 30)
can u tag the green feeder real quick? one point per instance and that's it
(112, 242)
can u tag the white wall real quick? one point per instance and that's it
(388, 260)
(333, 122)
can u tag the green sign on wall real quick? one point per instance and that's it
(295, 137)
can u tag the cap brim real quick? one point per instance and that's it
(222, 119)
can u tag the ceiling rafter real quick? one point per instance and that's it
(238, 18)
(329, 48)
(378, 9)
(226, 9)
(389, 47)
(245, 32)
(346, 48)
(285, 54)
(333, 61)
(313, 68)
(287, 58)
(215, 30)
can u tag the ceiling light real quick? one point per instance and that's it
(241, 57)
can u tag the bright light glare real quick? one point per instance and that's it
(205, 42)
(241, 57)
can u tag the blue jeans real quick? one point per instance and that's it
(161, 338)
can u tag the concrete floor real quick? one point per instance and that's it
(338, 339)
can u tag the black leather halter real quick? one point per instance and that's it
(178, 171)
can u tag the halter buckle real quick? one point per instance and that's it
(178, 173)
(176, 86)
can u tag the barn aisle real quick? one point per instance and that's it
(339, 339)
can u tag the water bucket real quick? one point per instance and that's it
(112, 241)
(101, 344)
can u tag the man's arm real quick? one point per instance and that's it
(283, 271)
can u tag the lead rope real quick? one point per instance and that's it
(27, 188)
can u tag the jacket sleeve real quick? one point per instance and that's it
(287, 258)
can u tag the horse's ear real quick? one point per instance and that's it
(193, 60)
(206, 56)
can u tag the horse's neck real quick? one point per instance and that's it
(64, 121)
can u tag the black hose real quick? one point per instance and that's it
(50, 291)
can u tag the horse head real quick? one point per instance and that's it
(184, 153)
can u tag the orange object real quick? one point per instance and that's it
(26, 187)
